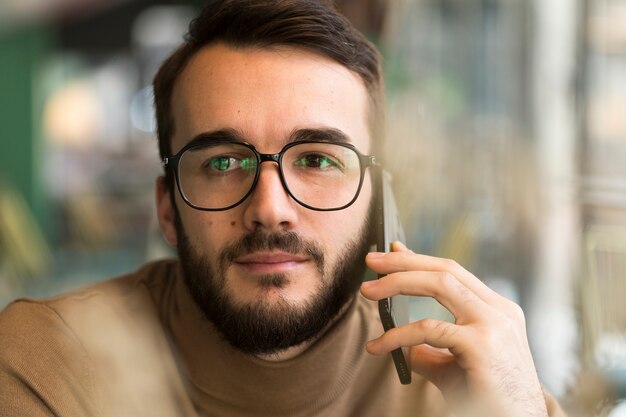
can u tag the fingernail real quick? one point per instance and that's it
(370, 347)
(375, 255)
(397, 245)
(368, 284)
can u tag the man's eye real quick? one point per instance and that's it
(223, 163)
(322, 162)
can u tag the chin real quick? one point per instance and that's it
(277, 289)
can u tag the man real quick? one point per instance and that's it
(266, 117)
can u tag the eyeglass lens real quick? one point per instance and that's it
(320, 175)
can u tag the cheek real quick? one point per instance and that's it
(334, 229)
(209, 231)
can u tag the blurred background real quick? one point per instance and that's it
(506, 138)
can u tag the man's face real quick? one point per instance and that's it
(269, 261)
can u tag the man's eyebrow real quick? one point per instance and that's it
(298, 135)
(329, 134)
(220, 134)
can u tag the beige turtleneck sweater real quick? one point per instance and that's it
(138, 346)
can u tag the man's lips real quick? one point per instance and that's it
(269, 261)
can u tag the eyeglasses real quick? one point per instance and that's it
(215, 175)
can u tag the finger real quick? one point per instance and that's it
(406, 260)
(397, 246)
(430, 356)
(432, 362)
(442, 286)
(442, 369)
(436, 333)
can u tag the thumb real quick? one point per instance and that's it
(438, 366)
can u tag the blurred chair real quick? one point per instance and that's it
(603, 302)
(24, 252)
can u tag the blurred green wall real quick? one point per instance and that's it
(22, 56)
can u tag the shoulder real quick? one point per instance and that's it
(29, 324)
(122, 292)
(25, 326)
(39, 326)
(94, 311)
(54, 351)
(37, 351)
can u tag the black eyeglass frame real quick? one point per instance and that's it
(172, 162)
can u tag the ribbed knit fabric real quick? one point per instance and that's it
(138, 346)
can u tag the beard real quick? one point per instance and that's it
(263, 327)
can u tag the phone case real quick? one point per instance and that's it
(393, 311)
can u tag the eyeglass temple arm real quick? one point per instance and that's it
(168, 161)
(370, 160)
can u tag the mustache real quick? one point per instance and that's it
(259, 240)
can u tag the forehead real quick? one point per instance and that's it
(266, 94)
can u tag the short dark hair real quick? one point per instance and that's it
(313, 25)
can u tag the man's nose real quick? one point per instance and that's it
(270, 206)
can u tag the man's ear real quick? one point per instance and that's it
(165, 211)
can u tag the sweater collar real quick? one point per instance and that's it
(220, 376)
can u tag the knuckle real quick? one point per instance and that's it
(428, 324)
(438, 329)
(450, 264)
(405, 256)
(491, 338)
(447, 281)
(518, 313)
(447, 330)
(501, 332)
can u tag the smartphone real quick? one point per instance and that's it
(393, 311)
